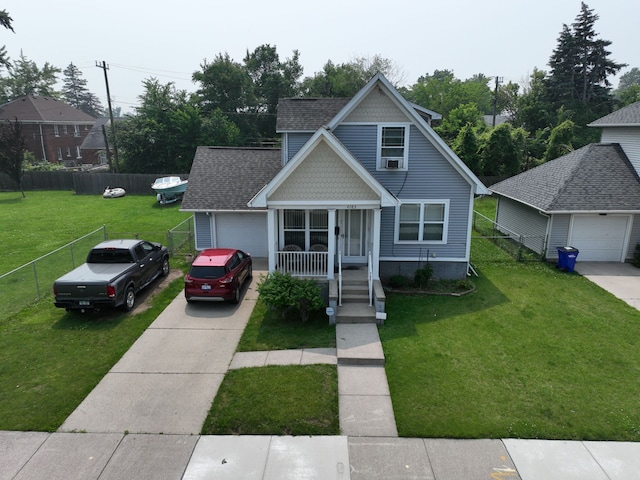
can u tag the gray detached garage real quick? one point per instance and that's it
(588, 199)
(600, 238)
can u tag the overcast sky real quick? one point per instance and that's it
(169, 40)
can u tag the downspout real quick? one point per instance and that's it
(545, 247)
(44, 152)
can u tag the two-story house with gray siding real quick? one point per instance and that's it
(588, 199)
(359, 181)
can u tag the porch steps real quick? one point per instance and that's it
(355, 299)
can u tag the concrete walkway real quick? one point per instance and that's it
(142, 420)
(619, 279)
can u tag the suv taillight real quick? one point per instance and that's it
(111, 291)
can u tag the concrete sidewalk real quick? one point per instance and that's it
(106, 456)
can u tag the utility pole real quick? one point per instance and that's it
(495, 98)
(105, 67)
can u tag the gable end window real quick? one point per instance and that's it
(393, 141)
(422, 221)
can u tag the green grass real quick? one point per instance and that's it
(34, 226)
(267, 330)
(276, 400)
(533, 353)
(52, 359)
(46, 220)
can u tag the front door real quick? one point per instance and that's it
(354, 235)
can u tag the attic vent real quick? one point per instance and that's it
(392, 163)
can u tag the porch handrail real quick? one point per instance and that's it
(370, 278)
(340, 277)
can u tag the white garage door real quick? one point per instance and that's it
(599, 238)
(245, 231)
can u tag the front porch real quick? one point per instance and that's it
(316, 242)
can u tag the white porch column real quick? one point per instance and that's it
(271, 238)
(376, 243)
(331, 248)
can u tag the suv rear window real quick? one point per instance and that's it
(207, 272)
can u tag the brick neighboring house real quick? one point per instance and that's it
(53, 130)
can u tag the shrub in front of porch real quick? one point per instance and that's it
(284, 292)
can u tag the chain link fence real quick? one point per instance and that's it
(34, 280)
(520, 247)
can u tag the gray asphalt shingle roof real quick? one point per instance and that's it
(629, 115)
(307, 114)
(35, 108)
(226, 178)
(597, 177)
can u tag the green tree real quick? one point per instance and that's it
(168, 127)
(442, 92)
(12, 148)
(534, 111)
(502, 151)
(272, 79)
(457, 118)
(466, 146)
(6, 20)
(628, 90)
(560, 140)
(26, 78)
(226, 85)
(580, 70)
(76, 93)
(340, 81)
(346, 79)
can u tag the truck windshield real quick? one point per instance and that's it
(110, 256)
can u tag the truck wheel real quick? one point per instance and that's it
(129, 299)
(165, 267)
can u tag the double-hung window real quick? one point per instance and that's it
(393, 140)
(422, 221)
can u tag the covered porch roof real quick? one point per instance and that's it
(323, 174)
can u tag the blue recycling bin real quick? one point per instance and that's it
(567, 258)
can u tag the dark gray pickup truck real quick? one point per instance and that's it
(115, 271)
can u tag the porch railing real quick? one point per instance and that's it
(340, 278)
(370, 278)
(303, 264)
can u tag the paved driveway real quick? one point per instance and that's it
(620, 279)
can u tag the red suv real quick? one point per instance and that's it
(217, 274)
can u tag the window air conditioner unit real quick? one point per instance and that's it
(392, 163)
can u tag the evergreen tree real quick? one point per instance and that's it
(77, 95)
(580, 68)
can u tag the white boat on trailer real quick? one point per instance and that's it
(169, 189)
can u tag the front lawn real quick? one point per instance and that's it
(532, 353)
(267, 330)
(276, 400)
